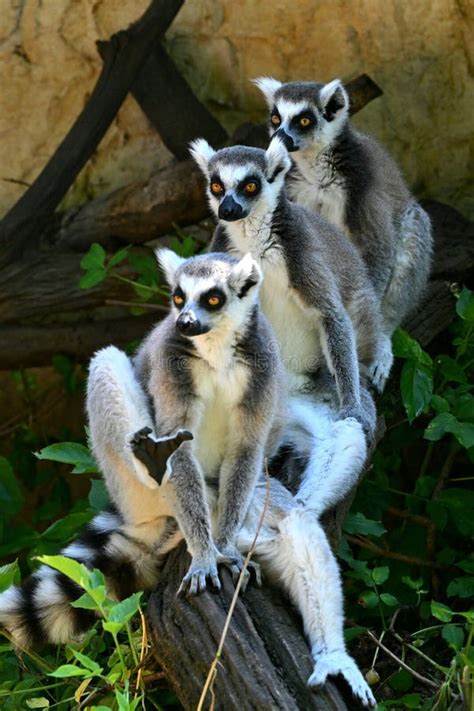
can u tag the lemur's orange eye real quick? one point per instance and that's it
(216, 188)
(213, 301)
(275, 119)
(250, 187)
(305, 121)
(178, 300)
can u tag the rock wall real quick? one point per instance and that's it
(421, 53)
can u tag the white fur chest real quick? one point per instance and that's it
(219, 391)
(315, 187)
(295, 328)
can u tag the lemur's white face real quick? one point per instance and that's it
(210, 292)
(243, 183)
(306, 116)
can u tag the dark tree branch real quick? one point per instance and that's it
(128, 50)
(171, 106)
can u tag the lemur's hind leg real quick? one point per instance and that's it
(294, 551)
(126, 545)
(335, 450)
(407, 282)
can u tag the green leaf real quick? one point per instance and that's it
(71, 568)
(402, 680)
(351, 633)
(11, 497)
(92, 278)
(404, 346)
(70, 453)
(368, 599)
(40, 702)
(439, 426)
(454, 636)
(413, 584)
(358, 523)
(441, 612)
(446, 422)
(123, 611)
(460, 504)
(439, 404)
(467, 565)
(98, 496)
(87, 662)
(95, 257)
(450, 370)
(85, 602)
(465, 305)
(461, 587)
(380, 575)
(66, 527)
(118, 257)
(9, 575)
(67, 670)
(389, 600)
(463, 407)
(416, 387)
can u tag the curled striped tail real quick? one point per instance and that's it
(39, 610)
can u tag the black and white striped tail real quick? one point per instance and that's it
(39, 611)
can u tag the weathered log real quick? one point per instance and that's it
(28, 346)
(265, 662)
(127, 52)
(138, 212)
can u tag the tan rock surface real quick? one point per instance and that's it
(421, 54)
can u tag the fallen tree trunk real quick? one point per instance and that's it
(265, 662)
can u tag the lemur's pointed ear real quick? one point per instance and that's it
(202, 153)
(169, 262)
(277, 159)
(334, 100)
(245, 275)
(268, 86)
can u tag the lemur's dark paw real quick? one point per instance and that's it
(236, 564)
(195, 580)
(154, 454)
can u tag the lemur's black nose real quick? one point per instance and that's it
(287, 140)
(230, 210)
(189, 325)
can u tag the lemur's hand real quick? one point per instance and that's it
(200, 570)
(231, 557)
(357, 412)
(154, 453)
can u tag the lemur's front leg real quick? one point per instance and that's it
(185, 485)
(339, 346)
(238, 476)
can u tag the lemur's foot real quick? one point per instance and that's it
(154, 454)
(380, 369)
(195, 580)
(234, 561)
(358, 413)
(335, 663)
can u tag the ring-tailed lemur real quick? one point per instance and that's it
(129, 543)
(348, 177)
(316, 295)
